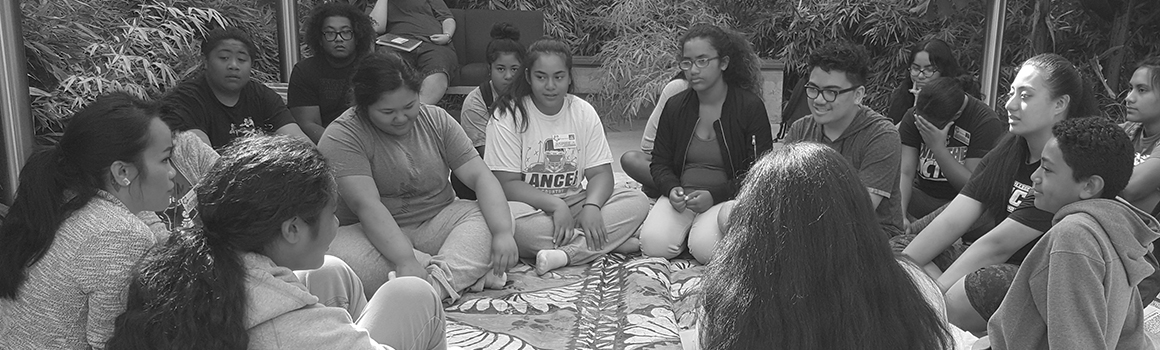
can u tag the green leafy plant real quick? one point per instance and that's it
(143, 53)
(641, 56)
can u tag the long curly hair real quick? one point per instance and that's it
(190, 292)
(360, 23)
(804, 265)
(744, 69)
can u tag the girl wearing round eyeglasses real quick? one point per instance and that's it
(929, 60)
(707, 138)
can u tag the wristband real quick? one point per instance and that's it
(593, 204)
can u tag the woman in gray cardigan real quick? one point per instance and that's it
(71, 237)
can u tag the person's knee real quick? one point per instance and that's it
(660, 241)
(703, 238)
(635, 160)
(657, 249)
(409, 289)
(961, 311)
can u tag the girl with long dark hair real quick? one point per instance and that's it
(542, 145)
(1143, 126)
(929, 60)
(393, 156)
(707, 138)
(1047, 89)
(805, 265)
(71, 237)
(504, 54)
(266, 208)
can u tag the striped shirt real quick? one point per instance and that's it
(72, 295)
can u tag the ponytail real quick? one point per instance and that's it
(191, 292)
(36, 213)
(62, 179)
(186, 294)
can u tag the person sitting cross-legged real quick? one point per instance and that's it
(543, 143)
(707, 137)
(393, 156)
(636, 163)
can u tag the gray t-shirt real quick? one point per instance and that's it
(411, 172)
(871, 144)
(474, 117)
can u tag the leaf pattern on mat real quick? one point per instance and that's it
(601, 304)
(471, 337)
(541, 301)
(647, 329)
(682, 288)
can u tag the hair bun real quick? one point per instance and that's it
(505, 30)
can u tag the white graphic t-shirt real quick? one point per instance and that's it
(554, 151)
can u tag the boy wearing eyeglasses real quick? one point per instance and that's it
(338, 34)
(838, 119)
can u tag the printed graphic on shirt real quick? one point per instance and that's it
(552, 165)
(1140, 158)
(246, 128)
(1018, 191)
(928, 168)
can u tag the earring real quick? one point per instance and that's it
(125, 182)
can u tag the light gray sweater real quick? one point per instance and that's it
(73, 294)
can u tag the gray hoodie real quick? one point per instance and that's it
(1077, 288)
(872, 146)
(282, 314)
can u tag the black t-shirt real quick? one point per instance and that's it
(315, 82)
(1020, 204)
(901, 100)
(972, 136)
(259, 110)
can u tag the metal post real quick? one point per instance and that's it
(992, 49)
(287, 13)
(15, 106)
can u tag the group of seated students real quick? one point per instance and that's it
(182, 223)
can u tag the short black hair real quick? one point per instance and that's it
(1096, 146)
(360, 24)
(847, 57)
(216, 36)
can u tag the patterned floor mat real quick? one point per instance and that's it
(616, 302)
